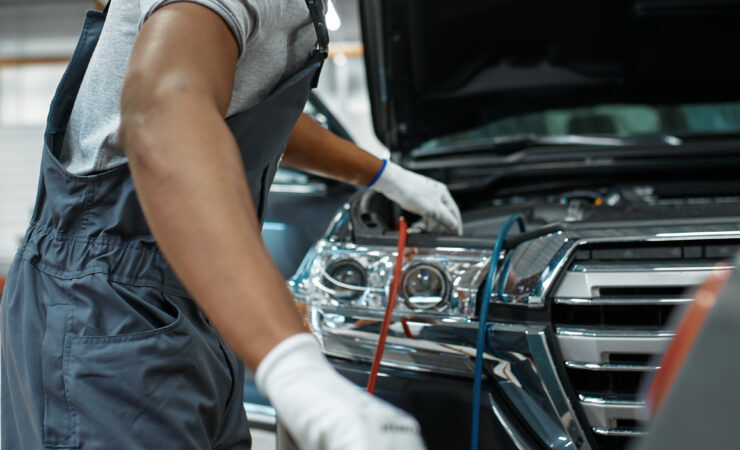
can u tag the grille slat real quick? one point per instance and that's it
(612, 312)
(586, 281)
(603, 413)
(609, 367)
(621, 301)
(590, 347)
(619, 432)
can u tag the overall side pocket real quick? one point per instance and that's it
(145, 389)
(59, 429)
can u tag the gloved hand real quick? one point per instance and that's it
(420, 195)
(324, 411)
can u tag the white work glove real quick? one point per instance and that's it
(324, 411)
(420, 195)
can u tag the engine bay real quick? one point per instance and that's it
(592, 206)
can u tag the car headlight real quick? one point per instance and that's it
(345, 280)
(424, 287)
(344, 277)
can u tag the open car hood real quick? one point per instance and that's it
(435, 67)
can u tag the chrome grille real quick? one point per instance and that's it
(612, 315)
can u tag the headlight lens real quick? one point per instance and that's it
(424, 287)
(345, 279)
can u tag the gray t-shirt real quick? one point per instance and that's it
(275, 38)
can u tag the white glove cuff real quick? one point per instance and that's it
(323, 410)
(387, 182)
(294, 352)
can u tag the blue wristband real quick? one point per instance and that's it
(380, 172)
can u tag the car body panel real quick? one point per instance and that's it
(434, 67)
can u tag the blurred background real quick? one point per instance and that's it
(37, 37)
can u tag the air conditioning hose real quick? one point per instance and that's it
(390, 305)
(483, 322)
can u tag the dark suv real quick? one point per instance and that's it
(612, 128)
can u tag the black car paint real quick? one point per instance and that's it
(442, 405)
(435, 67)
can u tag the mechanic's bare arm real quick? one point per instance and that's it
(190, 181)
(314, 149)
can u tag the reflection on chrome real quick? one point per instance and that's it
(531, 268)
(517, 361)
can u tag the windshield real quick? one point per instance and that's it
(617, 120)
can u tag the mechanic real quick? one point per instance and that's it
(145, 238)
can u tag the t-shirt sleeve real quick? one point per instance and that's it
(237, 14)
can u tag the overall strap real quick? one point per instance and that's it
(66, 93)
(322, 34)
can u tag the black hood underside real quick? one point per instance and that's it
(435, 67)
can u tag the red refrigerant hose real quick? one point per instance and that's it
(389, 306)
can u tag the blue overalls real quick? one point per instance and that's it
(102, 347)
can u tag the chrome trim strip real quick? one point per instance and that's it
(606, 367)
(531, 268)
(586, 284)
(342, 219)
(591, 400)
(596, 348)
(668, 232)
(261, 415)
(306, 189)
(700, 234)
(624, 301)
(545, 368)
(511, 430)
(641, 266)
(619, 432)
(602, 413)
(444, 349)
(614, 332)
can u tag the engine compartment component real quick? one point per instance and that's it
(373, 216)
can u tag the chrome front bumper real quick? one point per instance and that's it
(517, 362)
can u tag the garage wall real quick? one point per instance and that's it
(28, 29)
(18, 177)
(25, 93)
(40, 28)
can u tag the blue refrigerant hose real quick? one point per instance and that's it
(483, 321)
